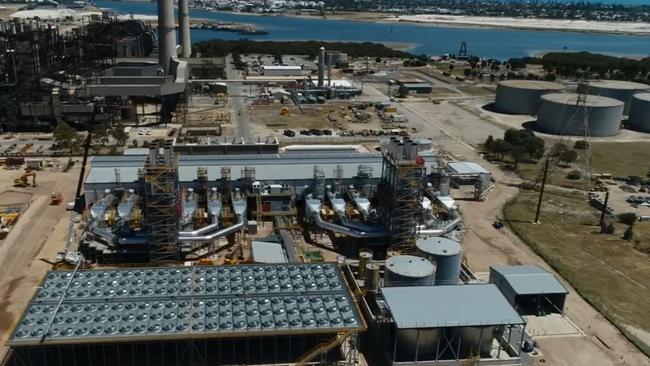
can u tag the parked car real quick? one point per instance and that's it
(289, 133)
(316, 132)
(305, 132)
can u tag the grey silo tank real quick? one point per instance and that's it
(616, 89)
(426, 343)
(523, 96)
(639, 117)
(561, 114)
(408, 270)
(371, 279)
(446, 254)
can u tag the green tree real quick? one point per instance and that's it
(568, 156)
(501, 148)
(488, 145)
(119, 135)
(65, 137)
(628, 218)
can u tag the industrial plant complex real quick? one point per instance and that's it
(161, 207)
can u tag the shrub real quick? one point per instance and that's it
(574, 174)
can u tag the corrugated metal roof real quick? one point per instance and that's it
(530, 280)
(449, 306)
(267, 252)
(467, 167)
(278, 167)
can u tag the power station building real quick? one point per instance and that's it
(573, 114)
(616, 89)
(523, 96)
(639, 117)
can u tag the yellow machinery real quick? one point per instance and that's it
(200, 217)
(110, 217)
(23, 181)
(136, 218)
(284, 112)
(322, 348)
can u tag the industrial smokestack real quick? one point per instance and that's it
(166, 34)
(184, 25)
(321, 67)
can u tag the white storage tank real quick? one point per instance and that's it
(565, 114)
(408, 270)
(639, 118)
(616, 89)
(446, 254)
(523, 96)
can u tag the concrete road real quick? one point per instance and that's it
(237, 93)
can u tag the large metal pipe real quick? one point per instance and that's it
(321, 67)
(166, 34)
(223, 232)
(313, 207)
(184, 25)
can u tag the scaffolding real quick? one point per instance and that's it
(162, 204)
(400, 195)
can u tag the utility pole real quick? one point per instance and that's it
(541, 192)
(602, 212)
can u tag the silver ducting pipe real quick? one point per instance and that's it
(166, 34)
(221, 233)
(313, 207)
(184, 25)
(441, 231)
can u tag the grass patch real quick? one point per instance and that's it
(621, 158)
(607, 271)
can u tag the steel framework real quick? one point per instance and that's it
(400, 194)
(162, 204)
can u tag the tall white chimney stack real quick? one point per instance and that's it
(184, 25)
(166, 34)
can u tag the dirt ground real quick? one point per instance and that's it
(484, 246)
(39, 233)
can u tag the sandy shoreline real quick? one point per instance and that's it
(460, 21)
(579, 26)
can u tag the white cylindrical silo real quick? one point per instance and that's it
(523, 96)
(446, 254)
(639, 118)
(615, 89)
(408, 270)
(566, 114)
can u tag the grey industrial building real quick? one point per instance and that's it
(523, 96)
(639, 117)
(428, 324)
(206, 315)
(530, 289)
(295, 169)
(616, 89)
(573, 114)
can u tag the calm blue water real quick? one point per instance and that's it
(496, 43)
